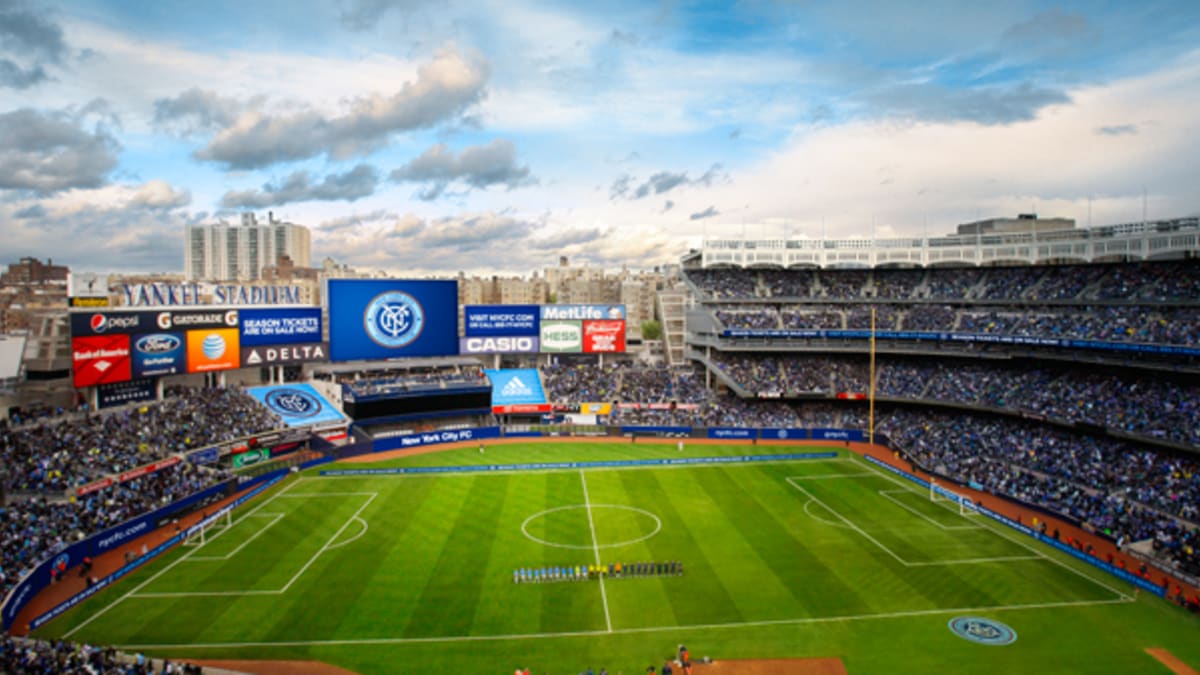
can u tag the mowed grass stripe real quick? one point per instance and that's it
(452, 590)
(702, 596)
(788, 586)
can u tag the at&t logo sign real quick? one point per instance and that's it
(394, 319)
(292, 403)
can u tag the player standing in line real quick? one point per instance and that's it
(679, 446)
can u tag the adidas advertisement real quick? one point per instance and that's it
(517, 390)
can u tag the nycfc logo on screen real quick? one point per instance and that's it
(292, 403)
(983, 631)
(394, 319)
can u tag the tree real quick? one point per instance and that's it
(651, 330)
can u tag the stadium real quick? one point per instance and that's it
(993, 463)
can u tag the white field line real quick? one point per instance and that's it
(902, 561)
(306, 495)
(847, 521)
(178, 560)
(1000, 532)
(625, 631)
(360, 533)
(596, 547)
(887, 494)
(815, 517)
(227, 556)
(832, 475)
(277, 591)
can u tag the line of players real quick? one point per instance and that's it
(537, 575)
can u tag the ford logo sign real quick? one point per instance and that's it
(159, 343)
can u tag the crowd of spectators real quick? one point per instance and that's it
(1166, 325)
(397, 380)
(1139, 404)
(26, 656)
(590, 382)
(44, 462)
(1161, 281)
(1128, 493)
(61, 453)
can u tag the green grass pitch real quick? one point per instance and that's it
(808, 558)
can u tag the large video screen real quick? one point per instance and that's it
(392, 318)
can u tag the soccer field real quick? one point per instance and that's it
(816, 557)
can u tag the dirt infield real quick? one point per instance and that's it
(1171, 661)
(273, 667)
(827, 666)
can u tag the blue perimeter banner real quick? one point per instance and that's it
(516, 386)
(392, 318)
(542, 466)
(435, 438)
(501, 320)
(281, 326)
(298, 404)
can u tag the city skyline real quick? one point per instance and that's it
(429, 138)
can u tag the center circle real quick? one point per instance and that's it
(593, 507)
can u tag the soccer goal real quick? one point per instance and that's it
(966, 507)
(199, 536)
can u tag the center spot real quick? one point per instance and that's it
(568, 526)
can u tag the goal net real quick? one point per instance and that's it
(200, 535)
(953, 500)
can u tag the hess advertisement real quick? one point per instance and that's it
(391, 318)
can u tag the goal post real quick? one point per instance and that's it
(966, 507)
(199, 536)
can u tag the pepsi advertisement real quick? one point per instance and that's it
(392, 318)
(501, 320)
(159, 354)
(282, 326)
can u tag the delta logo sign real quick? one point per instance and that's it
(100, 359)
(213, 349)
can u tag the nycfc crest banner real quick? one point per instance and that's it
(392, 318)
(298, 405)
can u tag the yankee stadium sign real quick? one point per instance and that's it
(165, 295)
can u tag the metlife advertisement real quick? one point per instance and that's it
(392, 318)
(280, 326)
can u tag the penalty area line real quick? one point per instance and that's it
(627, 631)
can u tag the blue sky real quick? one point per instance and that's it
(425, 137)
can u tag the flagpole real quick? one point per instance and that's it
(871, 385)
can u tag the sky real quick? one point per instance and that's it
(429, 137)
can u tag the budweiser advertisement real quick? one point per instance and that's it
(603, 336)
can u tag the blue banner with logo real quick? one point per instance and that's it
(771, 434)
(516, 386)
(299, 405)
(159, 354)
(435, 438)
(392, 318)
(500, 320)
(281, 326)
(836, 435)
(731, 432)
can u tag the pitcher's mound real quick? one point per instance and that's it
(830, 666)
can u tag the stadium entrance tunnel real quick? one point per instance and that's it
(585, 527)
